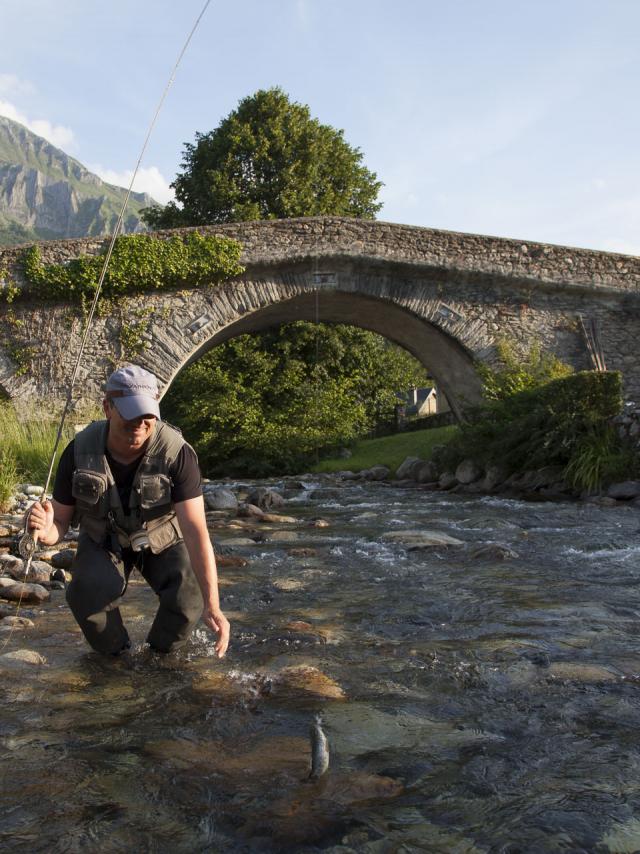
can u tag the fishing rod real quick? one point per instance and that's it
(28, 542)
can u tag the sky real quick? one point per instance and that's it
(515, 118)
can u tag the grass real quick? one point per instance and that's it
(389, 450)
(27, 444)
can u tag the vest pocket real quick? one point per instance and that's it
(166, 533)
(155, 491)
(88, 486)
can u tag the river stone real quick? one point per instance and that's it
(493, 551)
(28, 593)
(236, 541)
(249, 510)
(16, 621)
(39, 572)
(426, 472)
(406, 467)
(624, 491)
(377, 473)
(577, 672)
(446, 480)
(221, 499)
(265, 498)
(63, 559)
(11, 563)
(493, 477)
(468, 471)
(281, 536)
(304, 679)
(420, 539)
(288, 584)
(319, 523)
(20, 657)
(302, 552)
(275, 518)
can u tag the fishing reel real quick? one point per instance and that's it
(26, 546)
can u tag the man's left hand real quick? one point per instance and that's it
(218, 623)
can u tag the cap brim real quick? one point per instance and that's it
(135, 406)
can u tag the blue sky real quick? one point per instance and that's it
(517, 118)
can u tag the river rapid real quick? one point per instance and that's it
(474, 699)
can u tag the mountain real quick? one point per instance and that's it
(47, 195)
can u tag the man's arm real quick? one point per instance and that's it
(49, 522)
(190, 514)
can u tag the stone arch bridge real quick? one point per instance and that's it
(444, 296)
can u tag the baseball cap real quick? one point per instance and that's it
(134, 392)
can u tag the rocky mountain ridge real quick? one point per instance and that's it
(46, 195)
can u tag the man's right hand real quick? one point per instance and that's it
(39, 517)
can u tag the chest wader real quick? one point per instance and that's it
(112, 542)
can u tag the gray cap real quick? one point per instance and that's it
(134, 392)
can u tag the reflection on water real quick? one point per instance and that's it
(472, 703)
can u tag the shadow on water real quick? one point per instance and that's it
(475, 700)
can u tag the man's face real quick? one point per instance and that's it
(130, 434)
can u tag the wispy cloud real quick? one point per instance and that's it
(12, 85)
(149, 180)
(58, 135)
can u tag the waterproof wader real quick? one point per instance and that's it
(100, 579)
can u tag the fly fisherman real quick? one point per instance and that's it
(134, 486)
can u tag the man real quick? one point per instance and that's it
(134, 486)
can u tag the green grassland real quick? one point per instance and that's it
(388, 450)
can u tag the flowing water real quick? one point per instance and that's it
(472, 703)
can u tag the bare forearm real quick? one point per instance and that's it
(203, 563)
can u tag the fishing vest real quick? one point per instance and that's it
(98, 508)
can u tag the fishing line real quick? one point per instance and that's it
(27, 543)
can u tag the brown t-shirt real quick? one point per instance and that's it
(186, 480)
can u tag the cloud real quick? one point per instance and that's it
(148, 180)
(11, 84)
(58, 135)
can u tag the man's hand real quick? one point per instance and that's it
(218, 623)
(39, 518)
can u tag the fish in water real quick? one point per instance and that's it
(319, 749)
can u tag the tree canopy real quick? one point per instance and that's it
(265, 404)
(269, 159)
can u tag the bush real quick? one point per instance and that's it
(560, 423)
(520, 372)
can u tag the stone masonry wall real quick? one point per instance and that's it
(465, 290)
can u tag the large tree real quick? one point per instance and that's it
(269, 159)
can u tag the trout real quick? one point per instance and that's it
(319, 749)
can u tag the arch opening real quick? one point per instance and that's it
(446, 359)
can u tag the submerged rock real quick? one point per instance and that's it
(493, 551)
(302, 552)
(304, 679)
(420, 539)
(578, 672)
(22, 657)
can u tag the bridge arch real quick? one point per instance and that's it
(449, 363)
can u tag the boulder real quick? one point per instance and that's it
(378, 473)
(420, 539)
(624, 491)
(447, 480)
(39, 572)
(63, 559)
(27, 593)
(494, 475)
(249, 511)
(468, 471)
(406, 468)
(426, 472)
(265, 498)
(221, 499)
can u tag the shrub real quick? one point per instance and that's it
(560, 423)
(520, 372)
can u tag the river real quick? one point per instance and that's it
(475, 700)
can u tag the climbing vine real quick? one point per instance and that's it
(139, 263)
